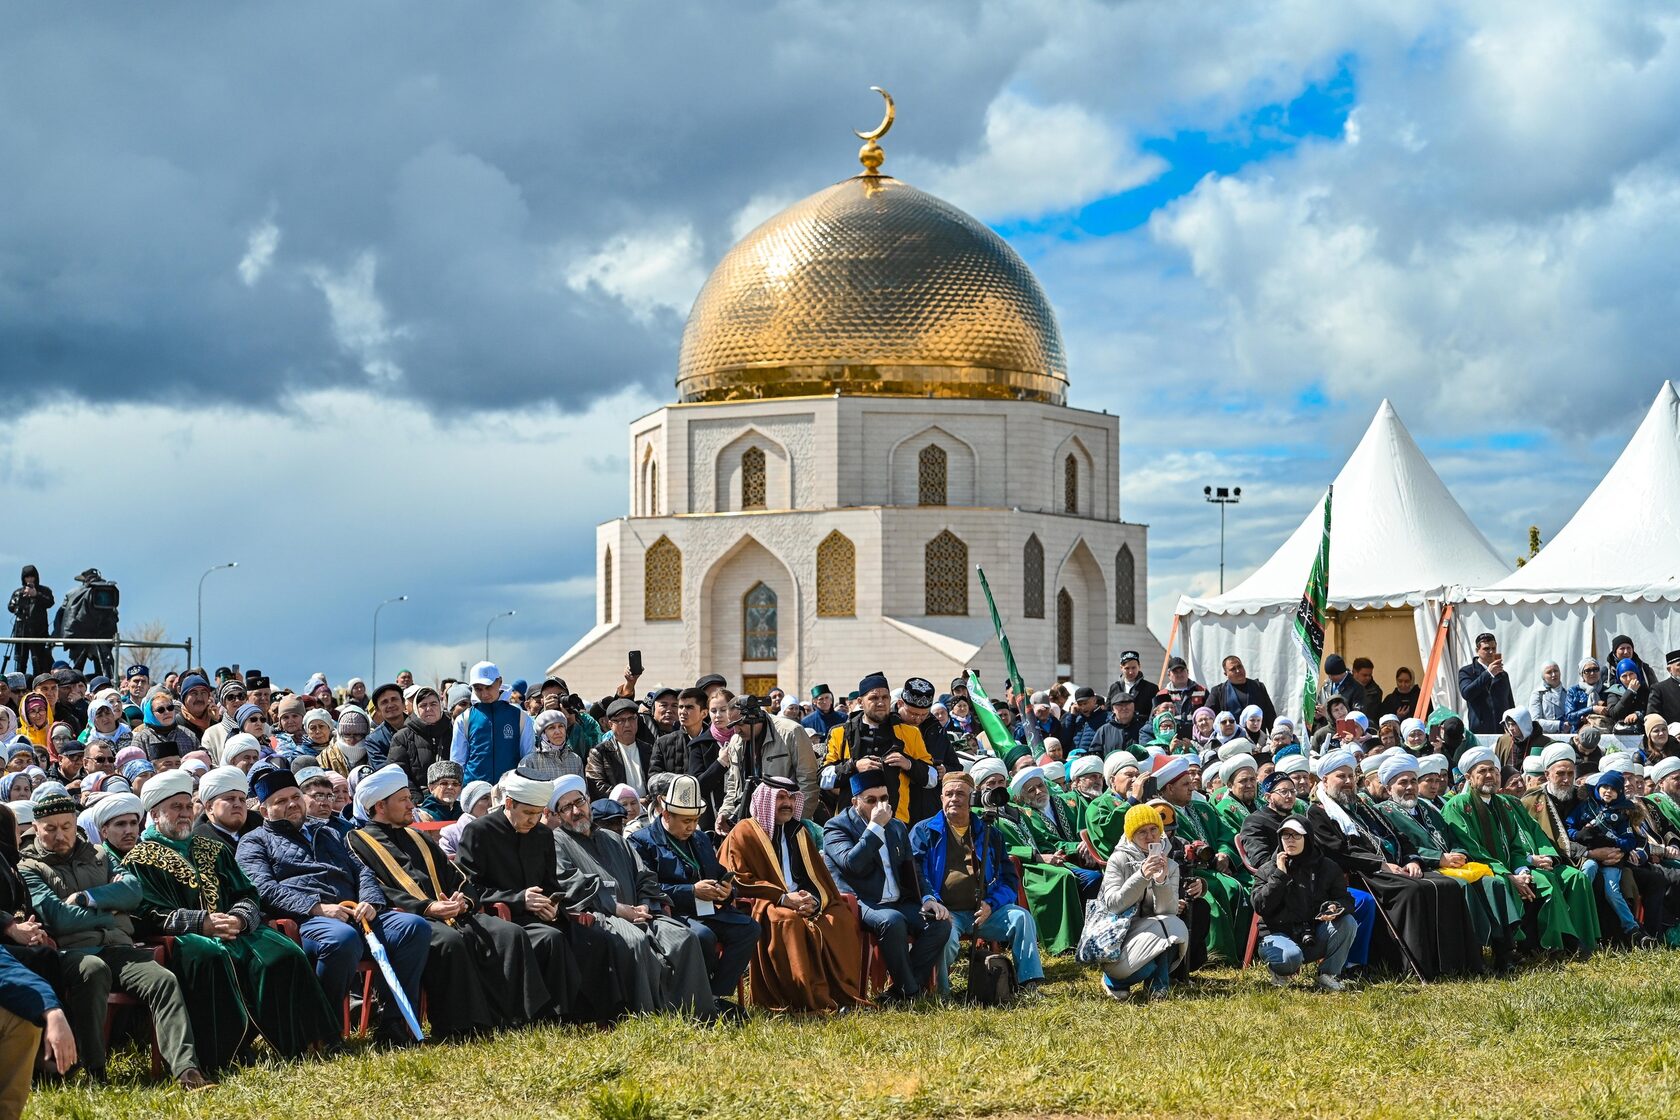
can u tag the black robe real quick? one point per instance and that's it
(500, 864)
(1429, 914)
(481, 973)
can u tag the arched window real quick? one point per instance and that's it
(930, 475)
(662, 582)
(947, 575)
(1125, 586)
(752, 478)
(653, 488)
(758, 623)
(1064, 627)
(1070, 485)
(606, 587)
(1032, 578)
(836, 577)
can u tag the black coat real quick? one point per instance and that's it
(31, 610)
(416, 745)
(1486, 697)
(1227, 697)
(1288, 902)
(1665, 700)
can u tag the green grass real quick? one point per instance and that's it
(1594, 1040)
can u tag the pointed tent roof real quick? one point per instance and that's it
(1622, 542)
(1411, 535)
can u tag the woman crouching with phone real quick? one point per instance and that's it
(1140, 886)
(1304, 905)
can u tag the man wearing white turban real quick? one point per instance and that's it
(241, 978)
(116, 822)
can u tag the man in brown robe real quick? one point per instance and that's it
(812, 959)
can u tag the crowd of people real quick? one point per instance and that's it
(245, 862)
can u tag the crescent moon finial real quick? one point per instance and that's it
(871, 155)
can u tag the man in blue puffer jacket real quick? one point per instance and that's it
(492, 735)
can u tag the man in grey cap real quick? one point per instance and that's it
(621, 756)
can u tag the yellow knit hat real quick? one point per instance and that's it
(1141, 816)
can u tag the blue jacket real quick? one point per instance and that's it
(1486, 698)
(856, 855)
(676, 876)
(296, 869)
(819, 724)
(23, 993)
(490, 739)
(927, 841)
(1082, 730)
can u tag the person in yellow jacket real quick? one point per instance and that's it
(874, 738)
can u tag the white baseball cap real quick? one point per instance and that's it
(485, 672)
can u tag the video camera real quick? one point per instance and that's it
(990, 801)
(749, 709)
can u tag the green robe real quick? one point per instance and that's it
(1502, 835)
(1229, 909)
(1052, 892)
(258, 981)
(1105, 822)
(1232, 811)
(1493, 902)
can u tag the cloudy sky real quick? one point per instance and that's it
(362, 296)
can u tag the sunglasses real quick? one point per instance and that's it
(161, 709)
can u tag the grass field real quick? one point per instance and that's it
(1595, 1040)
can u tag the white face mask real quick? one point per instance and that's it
(353, 752)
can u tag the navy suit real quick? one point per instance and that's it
(727, 935)
(857, 856)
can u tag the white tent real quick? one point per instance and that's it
(1398, 539)
(1614, 569)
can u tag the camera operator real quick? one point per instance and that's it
(875, 738)
(89, 611)
(30, 604)
(763, 746)
(1304, 905)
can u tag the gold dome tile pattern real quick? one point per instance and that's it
(872, 287)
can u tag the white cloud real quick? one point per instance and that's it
(259, 252)
(1036, 160)
(649, 270)
(360, 323)
(759, 208)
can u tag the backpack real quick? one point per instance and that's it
(991, 976)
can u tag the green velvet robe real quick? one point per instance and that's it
(1052, 892)
(257, 982)
(1226, 892)
(1105, 822)
(1502, 835)
(1494, 906)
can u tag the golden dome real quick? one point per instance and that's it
(872, 287)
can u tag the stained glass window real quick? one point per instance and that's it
(947, 575)
(758, 626)
(930, 476)
(1032, 578)
(662, 582)
(1070, 485)
(836, 577)
(752, 478)
(1125, 586)
(1064, 627)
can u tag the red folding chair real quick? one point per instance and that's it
(121, 1001)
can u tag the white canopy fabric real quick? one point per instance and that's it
(1613, 569)
(1401, 541)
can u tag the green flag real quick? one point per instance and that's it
(1015, 677)
(1310, 617)
(986, 716)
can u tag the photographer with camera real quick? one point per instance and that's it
(89, 611)
(30, 604)
(875, 738)
(1306, 911)
(763, 746)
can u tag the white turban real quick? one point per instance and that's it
(379, 785)
(164, 786)
(1623, 762)
(221, 780)
(1394, 765)
(1022, 777)
(112, 806)
(1235, 765)
(1433, 764)
(1293, 764)
(1085, 765)
(1557, 752)
(1533, 764)
(527, 791)
(984, 768)
(565, 785)
(1476, 756)
(1663, 769)
(1332, 761)
(1115, 763)
(1410, 725)
(1171, 770)
(242, 743)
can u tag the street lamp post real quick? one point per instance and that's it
(374, 676)
(487, 625)
(1222, 496)
(201, 579)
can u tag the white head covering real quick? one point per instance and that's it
(1533, 764)
(222, 780)
(1293, 764)
(1394, 765)
(1433, 764)
(112, 806)
(1019, 781)
(1557, 752)
(988, 767)
(1663, 769)
(527, 791)
(1408, 726)
(567, 784)
(236, 745)
(1085, 765)
(1331, 761)
(379, 785)
(164, 786)
(472, 792)
(1235, 765)
(1622, 761)
(1474, 757)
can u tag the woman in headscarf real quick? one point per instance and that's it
(346, 751)
(36, 725)
(8, 724)
(810, 958)
(16, 786)
(1201, 729)
(1251, 725)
